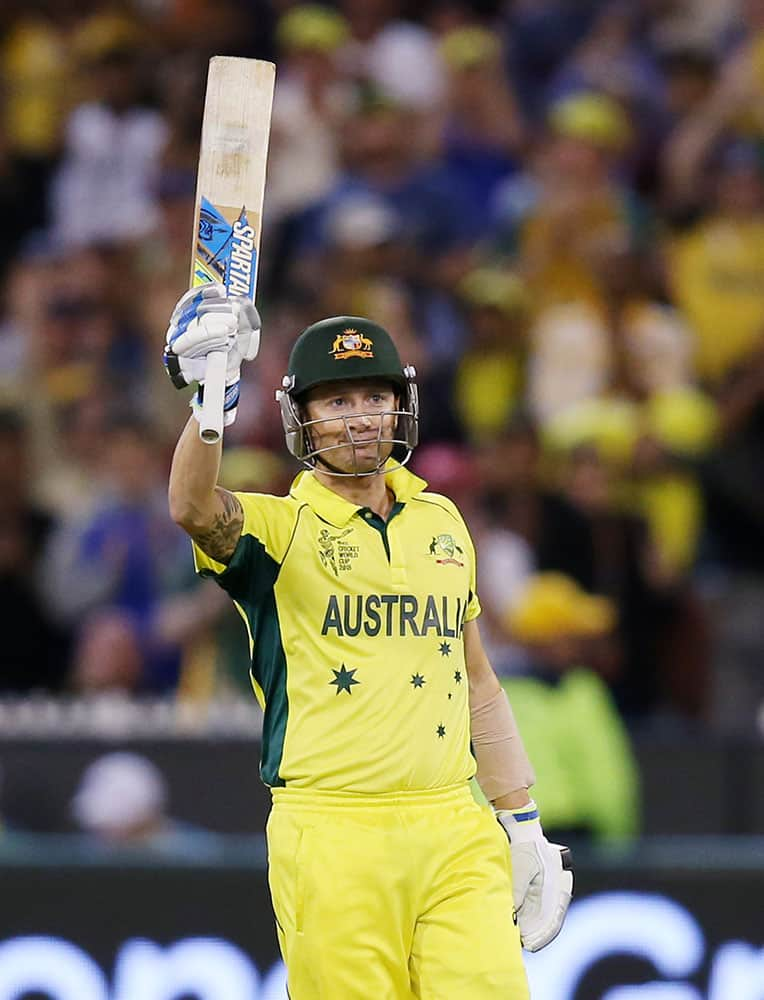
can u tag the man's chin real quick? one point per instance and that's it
(363, 463)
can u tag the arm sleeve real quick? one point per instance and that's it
(503, 764)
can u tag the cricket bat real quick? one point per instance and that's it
(229, 198)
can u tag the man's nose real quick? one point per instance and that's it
(362, 420)
(365, 419)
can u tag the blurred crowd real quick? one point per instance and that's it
(557, 209)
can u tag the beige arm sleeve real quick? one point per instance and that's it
(502, 763)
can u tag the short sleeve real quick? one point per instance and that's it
(267, 531)
(473, 604)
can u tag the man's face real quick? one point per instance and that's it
(355, 422)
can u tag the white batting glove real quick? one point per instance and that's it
(542, 880)
(206, 320)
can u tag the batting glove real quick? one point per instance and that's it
(542, 879)
(206, 320)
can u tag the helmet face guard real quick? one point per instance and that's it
(341, 349)
(405, 435)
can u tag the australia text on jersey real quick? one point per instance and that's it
(394, 614)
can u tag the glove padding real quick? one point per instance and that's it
(542, 879)
(206, 320)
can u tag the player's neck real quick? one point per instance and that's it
(365, 491)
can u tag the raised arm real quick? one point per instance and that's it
(212, 516)
(206, 321)
(736, 93)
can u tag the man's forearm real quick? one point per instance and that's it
(504, 772)
(193, 478)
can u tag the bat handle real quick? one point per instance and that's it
(211, 423)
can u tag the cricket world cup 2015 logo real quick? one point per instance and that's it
(336, 554)
(445, 550)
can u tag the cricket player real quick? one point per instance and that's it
(358, 593)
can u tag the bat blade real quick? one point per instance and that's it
(229, 196)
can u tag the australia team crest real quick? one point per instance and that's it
(351, 344)
(446, 551)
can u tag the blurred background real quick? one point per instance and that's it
(557, 209)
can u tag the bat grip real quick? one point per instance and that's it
(211, 422)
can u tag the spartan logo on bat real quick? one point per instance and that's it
(336, 554)
(207, 225)
(351, 344)
(211, 247)
(444, 547)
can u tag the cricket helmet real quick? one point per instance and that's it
(347, 347)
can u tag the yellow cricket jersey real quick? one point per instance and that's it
(355, 627)
(717, 272)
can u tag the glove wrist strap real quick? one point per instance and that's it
(230, 403)
(172, 367)
(522, 824)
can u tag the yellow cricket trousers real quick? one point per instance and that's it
(393, 897)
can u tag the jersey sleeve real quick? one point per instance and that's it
(473, 605)
(265, 537)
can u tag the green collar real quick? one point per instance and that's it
(336, 509)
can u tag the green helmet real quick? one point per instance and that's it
(346, 347)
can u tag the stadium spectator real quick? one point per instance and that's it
(620, 565)
(13, 203)
(392, 54)
(108, 656)
(587, 774)
(482, 131)
(540, 35)
(35, 649)
(611, 59)
(734, 555)
(363, 264)
(557, 214)
(67, 330)
(488, 381)
(518, 500)
(732, 111)
(125, 556)
(35, 82)
(311, 102)
(105, 187)
(382, 160)
(716, 266)
(687, 74)
(122, 800)
(633, 395)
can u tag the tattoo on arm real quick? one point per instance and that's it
(221, 537)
